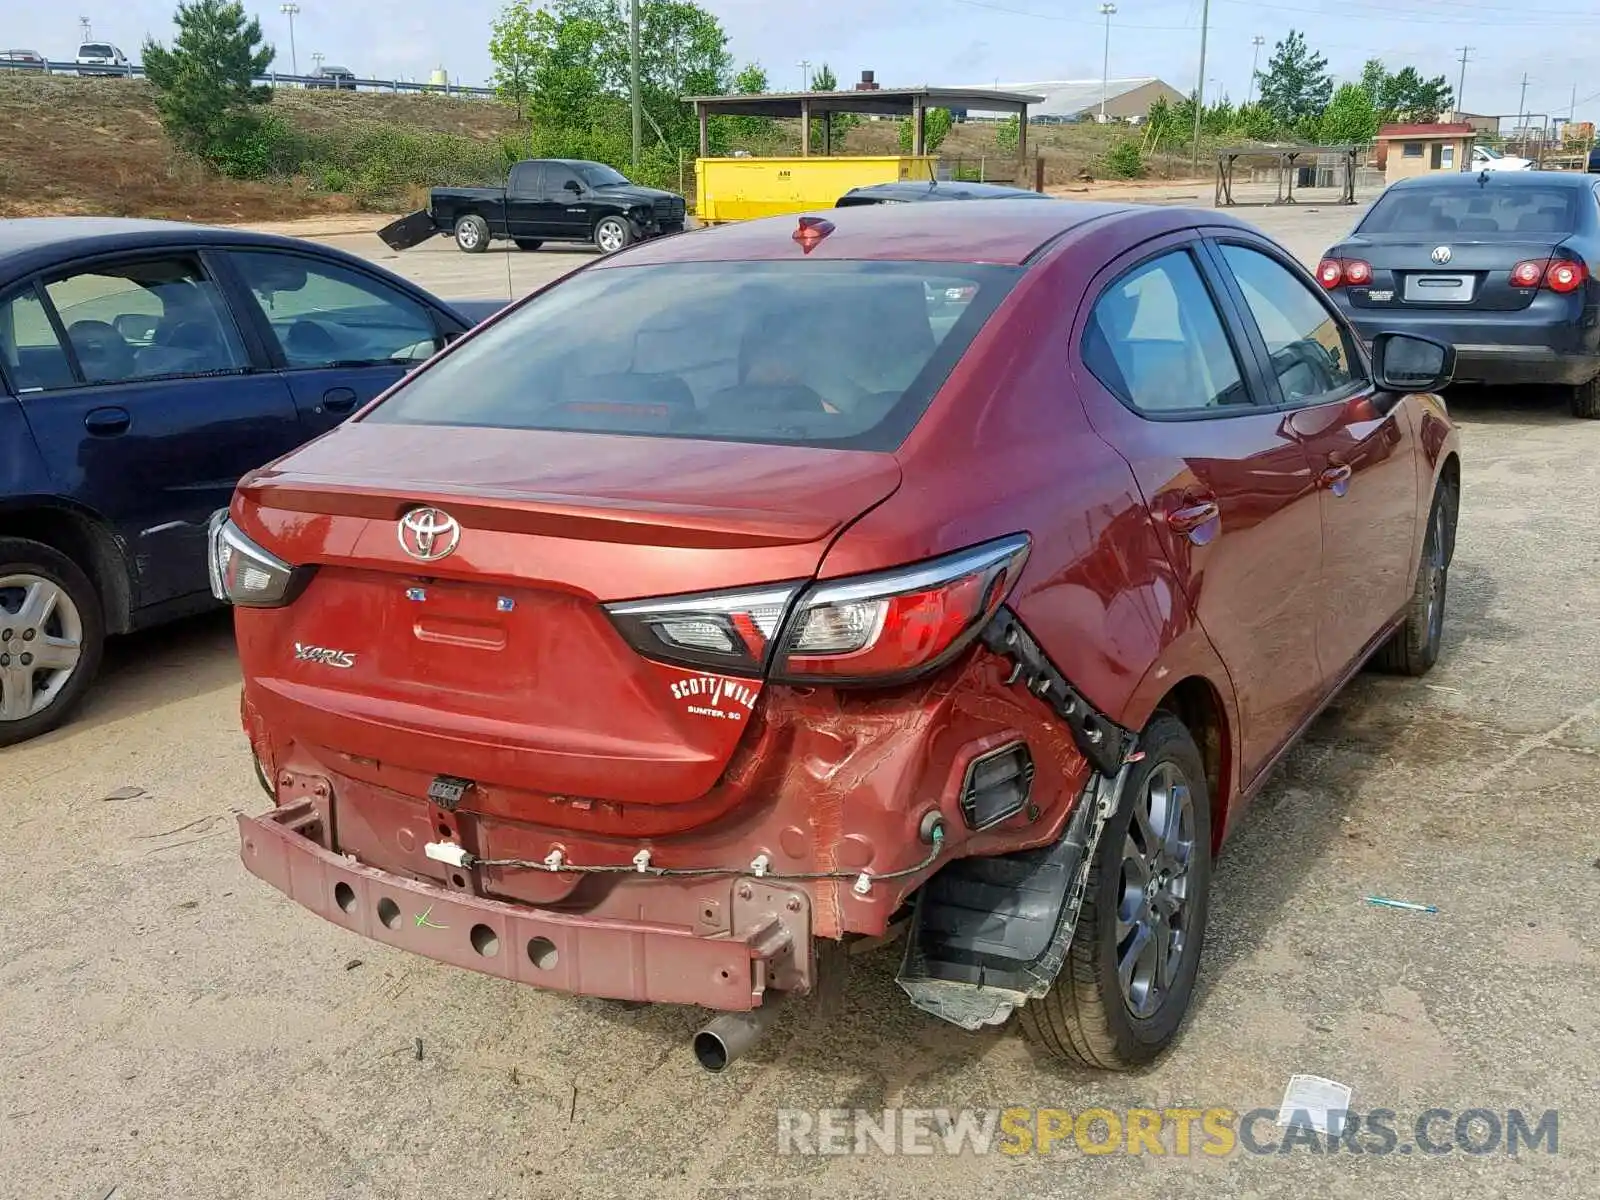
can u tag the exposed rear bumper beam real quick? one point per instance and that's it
(721, 943)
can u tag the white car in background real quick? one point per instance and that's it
(101, 58)
(1486, 158)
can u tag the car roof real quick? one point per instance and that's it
(977, 231)
(924, 189)
(1467, 180)
(30, 244)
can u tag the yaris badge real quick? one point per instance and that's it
(1441, 254)
(428, 534)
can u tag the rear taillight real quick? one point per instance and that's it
(1557, 274)
(1528, 274)
(883, 627)
(729, 632)
(1337, 272)
(1563, 276)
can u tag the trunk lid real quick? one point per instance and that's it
(496, 662)
(1476, 275)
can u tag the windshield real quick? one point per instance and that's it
(1488, 152)
(95, 50)
(844, 354)
(600, 175)
(1481, 210)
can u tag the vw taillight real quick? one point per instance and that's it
(1528, 274)
(1564, 276)
(884, 627)
(1357, 273)
(1336, 272)
(1330, 273)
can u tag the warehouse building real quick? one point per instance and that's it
(1079, 99)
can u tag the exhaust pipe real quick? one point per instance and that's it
(731, 1034)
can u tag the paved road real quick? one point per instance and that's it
(173, 1029)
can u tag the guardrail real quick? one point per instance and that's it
(272, 79)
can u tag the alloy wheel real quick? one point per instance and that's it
(610, 236)
(41, 644)
(1153, 913)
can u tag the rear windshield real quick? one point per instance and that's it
(1485, 210)
(95, 50)
(844, 354)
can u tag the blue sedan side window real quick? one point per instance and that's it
(29, 349)
(148, 320)
(323, 314)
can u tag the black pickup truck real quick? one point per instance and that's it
(544, 200)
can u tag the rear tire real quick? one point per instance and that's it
(1414, 648)
(74, 618)
(1150, 882)
(528, 243)
(1585, 400)
(472, 234)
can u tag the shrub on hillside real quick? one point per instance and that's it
(1123, 161)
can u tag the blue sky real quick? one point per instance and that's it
(956, 41)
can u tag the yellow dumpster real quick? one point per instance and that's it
(737, 189)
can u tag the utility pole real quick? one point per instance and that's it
(1461, 83)
(1107, 11)
(1522, 105)
(290, 10)
(85, 29)
(1255, 61)
(805, 75)
(633, 82)
(1200, 85)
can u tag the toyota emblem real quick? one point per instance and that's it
(429, 534)
(1441, 254)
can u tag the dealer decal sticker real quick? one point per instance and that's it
(715, 697)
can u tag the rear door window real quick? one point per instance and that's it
(30, 352)
(526, 180)
(1485, 210)
(326, 315)
(147, 320)
(827, 353)
(1155, 339)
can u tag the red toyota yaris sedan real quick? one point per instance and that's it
(956, 570)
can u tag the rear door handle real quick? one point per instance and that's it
(339, 399)
(107, 422)
(1337, 478)
(1192, 520)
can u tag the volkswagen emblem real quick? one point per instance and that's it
(429, 534)
(1441, 254)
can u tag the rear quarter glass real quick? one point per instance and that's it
(843, 354)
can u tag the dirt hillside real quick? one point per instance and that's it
(95, 146)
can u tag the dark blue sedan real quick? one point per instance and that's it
(144, 367)
(1501, 264)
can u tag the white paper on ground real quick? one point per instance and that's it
(1321, 1102)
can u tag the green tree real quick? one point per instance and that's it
(1407, 96)
(1296, 83)
(514, 48)
(748, 132)
(824, 80)
(204, 84)
(1008, 134)
(936, 124)
(1349, 118)
(581, 72)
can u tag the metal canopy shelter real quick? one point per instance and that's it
(1286, 159)
(912, 103)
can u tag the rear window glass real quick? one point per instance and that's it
(1485, 210)
(844, 354)
(95, 50)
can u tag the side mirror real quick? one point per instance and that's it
(1404, 362)
(573, 186)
